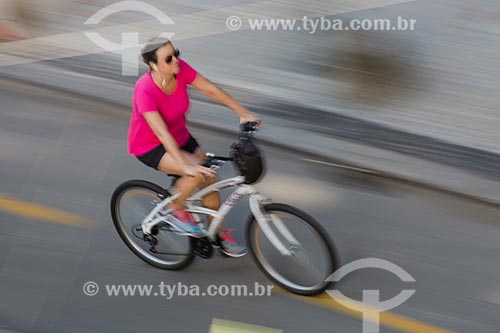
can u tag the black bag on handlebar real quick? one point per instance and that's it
(248, 159)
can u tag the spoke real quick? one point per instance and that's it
(298, 254)
(136, 208)
(171, 242)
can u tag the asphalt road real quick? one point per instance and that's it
(68, 153)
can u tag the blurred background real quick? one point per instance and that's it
(388, 138)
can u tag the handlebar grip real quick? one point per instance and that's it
(249, 126)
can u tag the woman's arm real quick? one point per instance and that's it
(217, 94)
(159, 128)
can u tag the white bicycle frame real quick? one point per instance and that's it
(255, 202)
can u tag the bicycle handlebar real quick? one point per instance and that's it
(211, 156)
(214, 162)
(249, 127)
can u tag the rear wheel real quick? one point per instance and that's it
(310, 258)
(131, 202)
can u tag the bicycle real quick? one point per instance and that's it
(289, 246)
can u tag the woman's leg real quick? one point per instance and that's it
(211, 201)
(184, 185)
(187, 185)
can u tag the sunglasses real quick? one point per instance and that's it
(169, 58)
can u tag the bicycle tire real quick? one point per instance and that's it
(331, 253)
(146, 256)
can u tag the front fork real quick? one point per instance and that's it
(257, 202)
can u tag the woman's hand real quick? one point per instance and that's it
(250, 117)
(194, 170)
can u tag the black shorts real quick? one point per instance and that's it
(153, 157)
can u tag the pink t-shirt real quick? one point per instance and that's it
(173, 108)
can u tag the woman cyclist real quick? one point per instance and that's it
(158, 135)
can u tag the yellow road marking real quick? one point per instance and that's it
(387, 319)
(39, 212)
(227, 326)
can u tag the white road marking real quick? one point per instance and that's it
(300, 191)
(492, 296)
(342, 166)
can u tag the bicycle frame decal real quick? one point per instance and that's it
(240, 192)
(233, 199)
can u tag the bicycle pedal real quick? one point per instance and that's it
(151, 240)
(155, 230)
(202, 247)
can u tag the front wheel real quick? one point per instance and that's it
(310, 257)
(132, 201)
